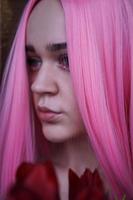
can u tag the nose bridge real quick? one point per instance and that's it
(45, 79)
(44, 73)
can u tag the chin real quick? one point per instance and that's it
(57, 134)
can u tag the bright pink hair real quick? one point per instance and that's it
(100, 48)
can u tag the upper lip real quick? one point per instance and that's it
(46, 109)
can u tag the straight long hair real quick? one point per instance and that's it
(100, 50)
(100, 47)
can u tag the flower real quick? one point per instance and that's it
(39, 182)
(87, 186)
(35, 182)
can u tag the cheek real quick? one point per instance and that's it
(75, 120)
(72, 104)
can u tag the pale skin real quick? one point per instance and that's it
(51, 86)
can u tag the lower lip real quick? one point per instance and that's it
(49, 116)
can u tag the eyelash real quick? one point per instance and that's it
(62, 59)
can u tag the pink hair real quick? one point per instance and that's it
(16, 135)
(100, 47)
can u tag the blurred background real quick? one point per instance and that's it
(10, 12)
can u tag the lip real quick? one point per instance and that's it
(46, 109)
(48, 115)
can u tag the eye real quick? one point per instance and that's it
(63, 61)
(33, 63)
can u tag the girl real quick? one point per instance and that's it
(67, 92)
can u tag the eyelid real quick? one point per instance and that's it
(64, 56)
(33, 63)
(33, 59)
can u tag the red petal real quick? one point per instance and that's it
(19, 192)
(37, 179)
(97, 179)
(86, 178)
(24, 170)
(88, 187)
(74, 184)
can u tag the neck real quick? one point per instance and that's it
(76, 153)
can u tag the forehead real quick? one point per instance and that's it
(46, 24)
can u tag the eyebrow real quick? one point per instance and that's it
(51, 47)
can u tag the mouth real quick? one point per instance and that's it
(47, 115)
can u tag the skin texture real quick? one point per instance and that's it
(51, 84)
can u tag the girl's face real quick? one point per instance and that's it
(49, 74)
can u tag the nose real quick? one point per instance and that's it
(45, 80)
